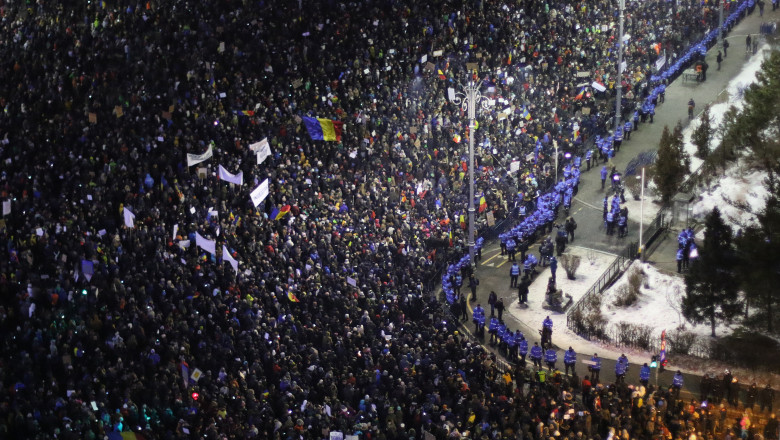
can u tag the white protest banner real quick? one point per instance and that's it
(598, 86)
(175, 230)
(129, 217)
(237, 179)
(260, 193)
(659, 63)
(204, 243)
(229, 258)
(193, 159)
(351, 281)
(514, 166)
(262, 148)
(438, 53)
(6, 207)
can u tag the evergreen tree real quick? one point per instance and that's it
(759, 254)
(711, 284)
(756, 126)
(672, 163)
(702, 135)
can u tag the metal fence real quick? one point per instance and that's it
(614, 270)
(656, 227)
(632, 335)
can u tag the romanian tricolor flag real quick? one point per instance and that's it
(291, 296)
(245, 112)
(580, 95)
(462, 221)
(321, 129)
(442, 75)
(526, 114)
(278, 214)
(482, 203)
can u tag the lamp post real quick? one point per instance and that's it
(618, 103)
(468, 100)
(555, 144)
(642, 215)
(720, 24)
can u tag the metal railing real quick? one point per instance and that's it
(614, 270)
(621, 335)
(656, 227)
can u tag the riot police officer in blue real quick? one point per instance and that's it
(627, 127)
(677, 383)
(536, 355)
(551, 357)
(621, 368)
(595, 367)
(569, 360)
(522, 347)
(644, 375)
(546, 332)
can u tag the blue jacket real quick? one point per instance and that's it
(536, 352)
(523, 347)
(620, 368)
(603, 173)
(509, 338)
(514, 270)
(493, 324)
(644, 373)
(595, 363)
(678, 380)
(627, 127)
(550, 356)
(501, 331)
(547, 323)
(569, 357)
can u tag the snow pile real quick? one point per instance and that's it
(733, 189)
(658, 306)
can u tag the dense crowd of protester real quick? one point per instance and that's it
(327, 323)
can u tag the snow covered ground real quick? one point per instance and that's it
(592, 265)
(738, 184)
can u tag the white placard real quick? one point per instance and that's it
(598, 86)
(262, 148)
(260, 193)
(451, 93)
